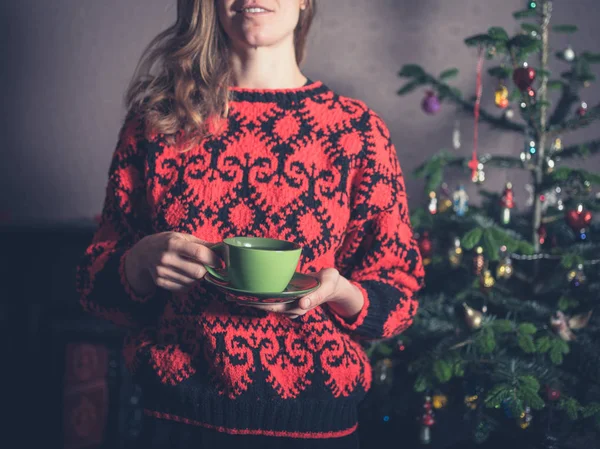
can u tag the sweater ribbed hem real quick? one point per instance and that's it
(317, 419)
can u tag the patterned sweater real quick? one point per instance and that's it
(300, 164)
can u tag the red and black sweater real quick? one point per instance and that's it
(304, 165)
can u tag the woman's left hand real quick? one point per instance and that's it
(340, 294)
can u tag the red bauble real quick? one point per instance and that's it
(553, 394)
(503, 104)
(523, 77)
(427, 406)
(425, 245)
(531, 92)
(428, 420)
(542, 234)
(508, 200)
(578, 218)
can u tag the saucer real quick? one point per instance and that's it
(300, 285)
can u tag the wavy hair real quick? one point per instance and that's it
(180, 85)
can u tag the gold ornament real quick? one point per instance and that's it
(501, 96)
(577, 276)
(455, 254)
(478, 261)
(473, 317)
(487, 280)
(525, 418)
(471, 401)
(445, 205)
(504, 269)
(440, 401)
(557, 145)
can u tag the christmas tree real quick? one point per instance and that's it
(506, 336)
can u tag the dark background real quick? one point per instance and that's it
(65, 65)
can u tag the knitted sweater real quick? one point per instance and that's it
(302, 164)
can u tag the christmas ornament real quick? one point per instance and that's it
(432, 203)
(509, 114)
(582, 109)
(425, 435)
(577, 276)
(507, 203)
(501, 96)
(477, 174)
(542, 234)
(487, 281)
(563, 325)
(431, 103)
(440, 401)
(506, 407)
(530, 195)
(531, 94)
(460, 202)
(532, 4)
(523, 77)
(455, 254)
(471, 401)
(473, 317)
(446, 203)
(504, 270)
(549, 165)
(579, 219)
(569, 54)
(383, 373)
(425, 247)
(476, 166)
(557, 145)
(426, 421)
(478, 261)
(552, 394)
(552, 199)
(525, 418)
(456, 136)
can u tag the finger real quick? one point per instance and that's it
(329, 279)
(186, 267)
(175, 276)
(194, 251)
(170, 285)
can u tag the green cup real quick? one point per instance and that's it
(256, 264)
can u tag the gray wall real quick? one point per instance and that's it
(66, 64)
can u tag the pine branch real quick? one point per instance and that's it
(564, 105)
(500, 122)
(576, 123)
(581, 150)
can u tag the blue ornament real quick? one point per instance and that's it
(460, 201)
(506, 408)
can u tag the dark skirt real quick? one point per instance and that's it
(164, 434)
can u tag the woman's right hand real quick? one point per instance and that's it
(170, 260)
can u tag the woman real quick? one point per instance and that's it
(229, 138)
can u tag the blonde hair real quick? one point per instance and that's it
(193, 73)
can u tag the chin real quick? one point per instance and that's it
(260, 38)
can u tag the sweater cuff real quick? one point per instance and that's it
(127, 286)
(366, 324)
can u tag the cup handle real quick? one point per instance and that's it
(221, 275)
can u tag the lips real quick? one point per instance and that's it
(252, 5)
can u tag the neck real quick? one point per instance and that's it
(272, 67)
